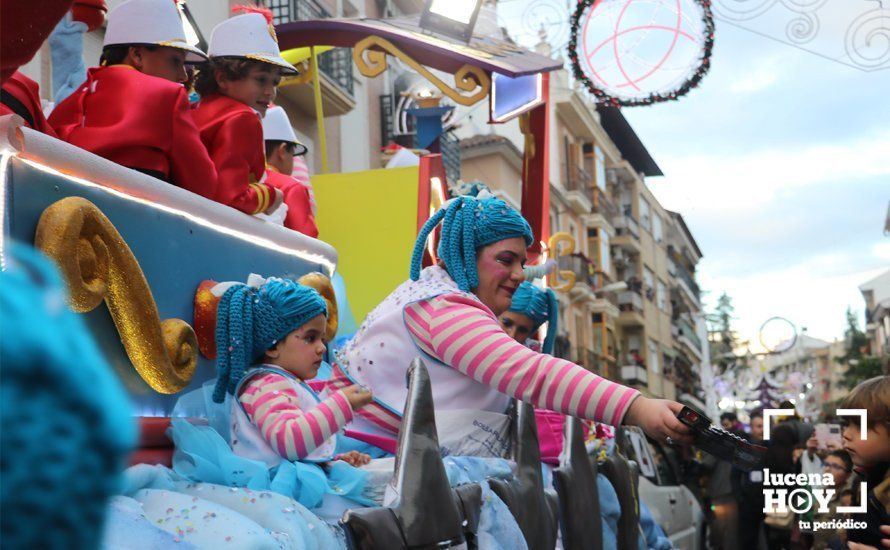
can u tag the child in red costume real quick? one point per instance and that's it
(236, 89)
(282, 146)
(21, 96)
(133, 109)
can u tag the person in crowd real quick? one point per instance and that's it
(780, 460)
(448, 314)
(723, 502)
(870, 454)
(133, 108)
(282, 146)
(748, 487)
(810, 461)
(67, 423)
(840, 466)
(237, 87)
(270, 341)
(730, 422)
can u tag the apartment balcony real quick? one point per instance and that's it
(686, 282)
(335, 66)
(627, 232)
(635, 375)
(687, 337)
(602, 212)
(579, 192)
(630, 305)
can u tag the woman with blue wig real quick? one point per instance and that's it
(448, 314)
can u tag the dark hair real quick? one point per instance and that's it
(230, 68)
(873, 395)
(117, 54)
(756, 413)
(843, 455)
(780, 449)
(731, 416)
(273, 144)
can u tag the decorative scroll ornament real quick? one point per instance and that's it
(324, 287)
(567, 276)
(640, 52)
(98, 265)
(370, 53)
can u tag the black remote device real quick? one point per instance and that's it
(721, 443)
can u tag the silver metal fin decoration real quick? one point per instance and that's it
(575, 483)
(426, 514)
(623, 474)
(534, 509)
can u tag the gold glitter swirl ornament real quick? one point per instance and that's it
(567, 276)
(324, 287)
(98, 265)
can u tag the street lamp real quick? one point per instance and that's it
(454, 18)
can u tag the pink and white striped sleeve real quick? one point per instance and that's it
(271, 405)
(462, 333)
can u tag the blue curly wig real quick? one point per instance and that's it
(541, 306)
(249, 321)
(67, 421)
(469, 223)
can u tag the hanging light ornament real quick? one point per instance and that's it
(640, 52)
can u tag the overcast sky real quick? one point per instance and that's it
(780, 164)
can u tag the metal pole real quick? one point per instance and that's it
(319, 113)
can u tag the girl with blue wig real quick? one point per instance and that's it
(270, 341)
(530, 308)
(448, 314)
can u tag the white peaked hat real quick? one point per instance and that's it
(249, 35)
(276, 126)
(149, 22)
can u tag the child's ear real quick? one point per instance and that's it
(273, 352)
(221, 81)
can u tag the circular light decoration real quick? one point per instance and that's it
(777, 335)
(640, 52)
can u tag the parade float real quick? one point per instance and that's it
(139, 256)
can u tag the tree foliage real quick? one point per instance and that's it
(721, 337)
(860, 366)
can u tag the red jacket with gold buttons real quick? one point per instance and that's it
(21, 96)
(233, 135)
(140, 121)
(296, 197)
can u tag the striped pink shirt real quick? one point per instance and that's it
(272, 406)
(462, 333)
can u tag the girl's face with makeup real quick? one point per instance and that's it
(301, 351)
(500, 272)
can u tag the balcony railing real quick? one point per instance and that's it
(626, 224)
(449, 146)
(336, 64)
(630, 301)
(602, 204)
(687, 278)
(580, 266)
(688, 331)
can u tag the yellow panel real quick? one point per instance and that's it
(370, 217)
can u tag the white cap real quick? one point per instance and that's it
(248, 35)
(276, 126)
(149, 22)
